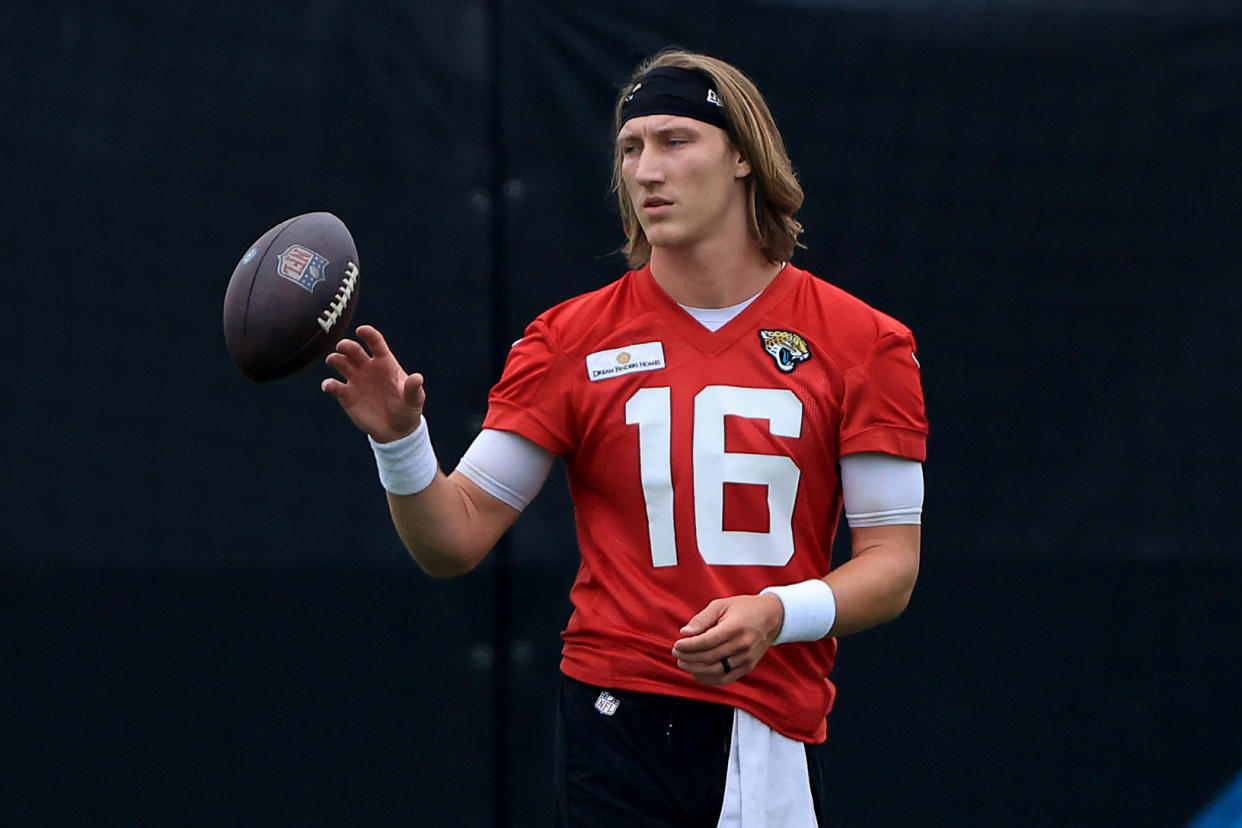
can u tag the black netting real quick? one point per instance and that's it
(209, 619)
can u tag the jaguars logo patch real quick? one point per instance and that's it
(786, 348)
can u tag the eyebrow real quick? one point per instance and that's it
(661, 132)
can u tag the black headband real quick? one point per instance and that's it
(671, 90)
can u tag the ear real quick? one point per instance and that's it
(741, 167)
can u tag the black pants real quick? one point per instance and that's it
(656, 761)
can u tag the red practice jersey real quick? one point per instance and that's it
(704, 465)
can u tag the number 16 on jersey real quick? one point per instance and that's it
(650, 409)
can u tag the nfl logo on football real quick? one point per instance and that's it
(302, 266)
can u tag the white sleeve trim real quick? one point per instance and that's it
(507, 466)
(881, 490)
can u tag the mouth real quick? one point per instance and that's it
(655, 202)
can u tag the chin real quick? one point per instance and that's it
(663, 237)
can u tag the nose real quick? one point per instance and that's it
(647, 168)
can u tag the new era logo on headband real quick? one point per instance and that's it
(712, 97)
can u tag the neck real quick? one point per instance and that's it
(708, 276)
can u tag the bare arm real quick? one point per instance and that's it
(449, 526)
(875, 584)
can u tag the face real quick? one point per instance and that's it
(685, 181)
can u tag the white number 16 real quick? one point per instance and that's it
(651, 410)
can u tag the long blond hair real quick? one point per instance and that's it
(772, 189)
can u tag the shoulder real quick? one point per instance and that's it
(842, 322)
(847, 309)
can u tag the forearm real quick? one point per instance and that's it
(875, 585)
(450, 526)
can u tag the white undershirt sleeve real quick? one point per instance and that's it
(507, 466)
(878, 489)
(881, 489)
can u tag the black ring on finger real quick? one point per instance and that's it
(724, 662)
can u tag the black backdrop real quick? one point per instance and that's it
(206, 617)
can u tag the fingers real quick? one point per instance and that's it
(333, 386)
(350, 356)
(350, 350)
(702, 633)
(374, 339)
(704, 620)
(347, 356)
(413, 391)
(733, 649)
(339, 363)
(731, 629)
(708, 642)
(714, 672)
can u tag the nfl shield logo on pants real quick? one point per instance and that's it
(607, 703)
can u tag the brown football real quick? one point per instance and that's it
(291, 297)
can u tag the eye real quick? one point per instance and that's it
(628, 150)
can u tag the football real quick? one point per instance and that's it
(291, 297)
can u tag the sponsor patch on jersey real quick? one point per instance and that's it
(302, 266)
(645, 356)
(786, 348)
(607, 703)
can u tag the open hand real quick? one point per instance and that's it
(376, 392)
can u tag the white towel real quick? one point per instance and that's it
(767, 785)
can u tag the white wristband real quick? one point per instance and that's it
(406, 465)
(810, 610)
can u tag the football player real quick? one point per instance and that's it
(717, 410)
